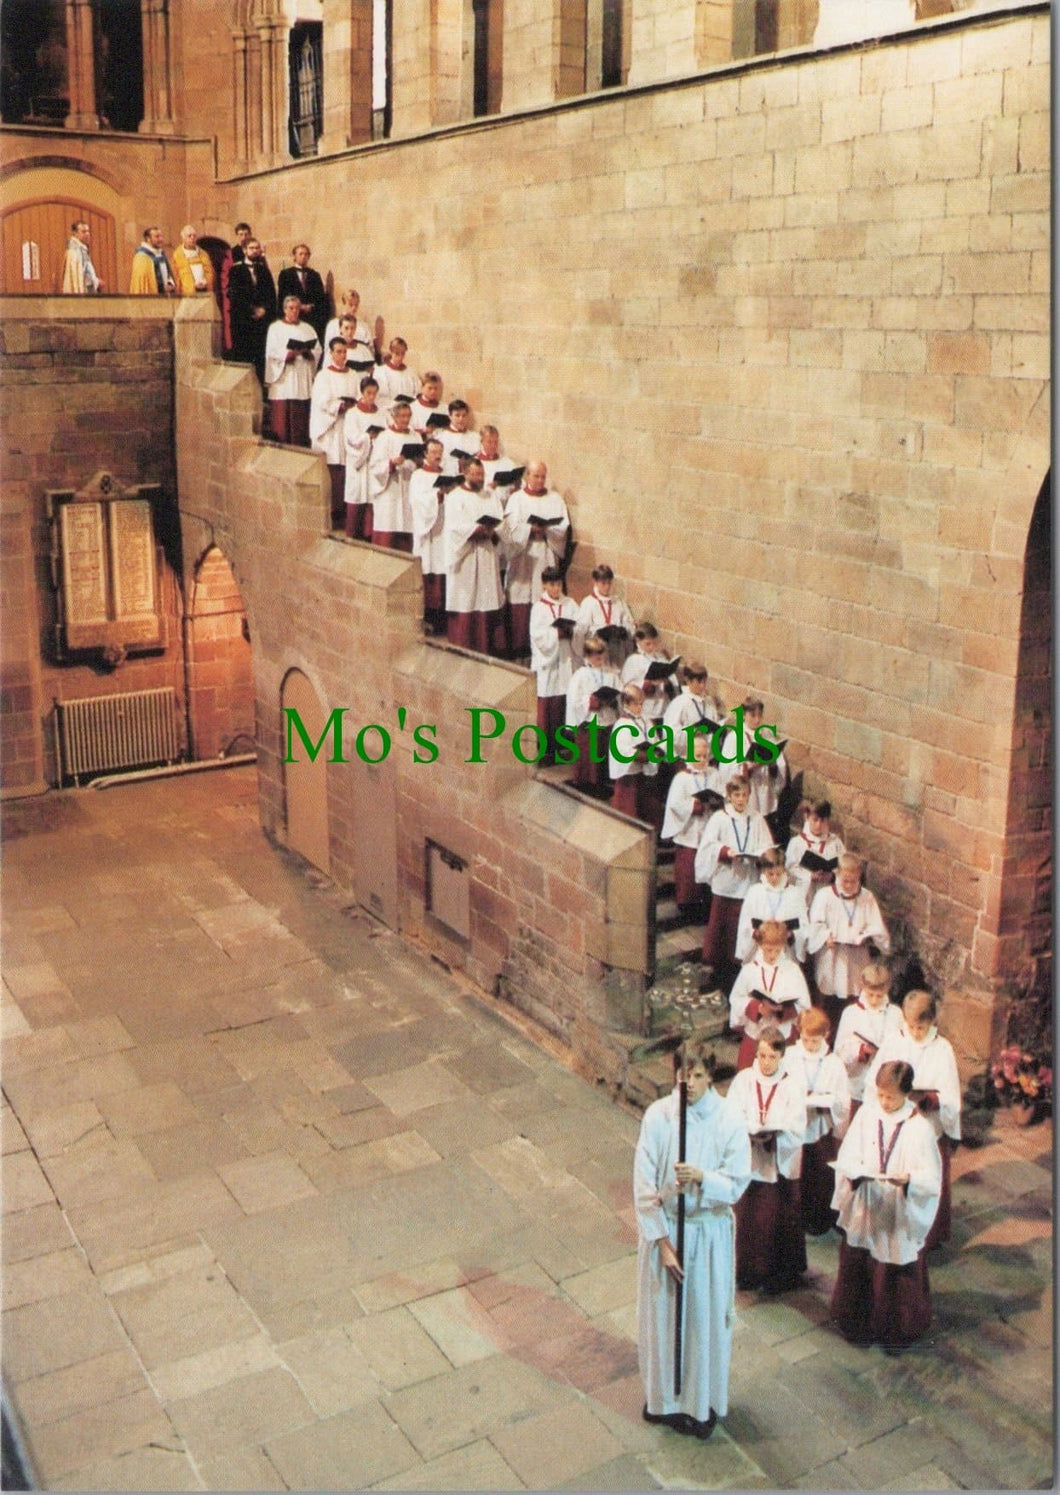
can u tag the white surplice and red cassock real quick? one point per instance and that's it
(551, 659)
(360, 445)
(290, 384)
(827, 1118)
(388, 486)
(596, 612)
(528, 554)
(474, 599)
(746, 836)
(882, 1292)
(685, 823)
(770, 1246)
(582, 706)
(333, 389)
(935, 1072)
(856, 922)
(428, 542)
(783, 983)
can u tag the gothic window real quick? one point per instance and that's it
(119, 64)
(33, 62)
(306, 124)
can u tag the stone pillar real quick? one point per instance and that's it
(158, 93)
(452, 61)
(411, 83)
(240, 134)
(274, 141)
(668, 36)
(81, 66)
(348, 47)
(544, 51)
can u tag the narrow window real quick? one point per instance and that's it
(306, 121)
(119, 64)
(611, 50)
(382, 52)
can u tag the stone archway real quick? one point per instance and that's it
(219, 666)
(1025, 923)
(305, 780)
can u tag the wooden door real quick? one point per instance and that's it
(34, 236)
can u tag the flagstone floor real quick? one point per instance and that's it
(285, 1208)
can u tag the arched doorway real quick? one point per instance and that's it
(1026, 890)
(34, 236)
(217, 651)
(306, 780)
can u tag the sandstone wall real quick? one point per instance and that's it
(559, 891)
(782, 333)
(93, 392)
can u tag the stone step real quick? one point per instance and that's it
(674, 947)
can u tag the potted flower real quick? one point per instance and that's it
(1023, 1082)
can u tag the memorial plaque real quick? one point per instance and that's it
(84, 570)
(132, 554)
(108, 566)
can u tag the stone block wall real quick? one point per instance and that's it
(782, 333)
(217, 643)
(560, 890)
(91, 392)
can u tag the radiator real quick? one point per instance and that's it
(132, 730)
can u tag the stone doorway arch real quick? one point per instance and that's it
(305, 780)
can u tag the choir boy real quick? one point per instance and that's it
(427, 498)
(458, 437)
(394, 462)
(773, 897)
(530, 546)
(552, 620)
(356, 333)
(846, 932)
(692, 788)
(727, 859)
(866, 1026)
(592, 696)
(827, 1117)
(766, 780)
(427, 403)
(770, 1100)
(769, 992)
(364, 422)
(601, 610)
(473, 595)
(936, 1087)
(394, 376)
(888, 1179)
(812, 855)
(629, 766)
(292, 354)
(334, 391)
(693, 706)
(494, 465)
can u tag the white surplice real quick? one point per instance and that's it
(717, 1143)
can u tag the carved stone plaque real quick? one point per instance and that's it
(84, 572)
(107, 565)
(132, 554)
